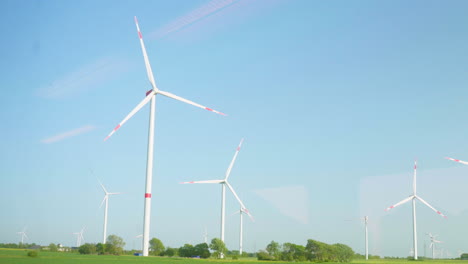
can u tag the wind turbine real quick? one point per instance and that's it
(79, 237)
(413, 198)
(106, 200)
(23, 235)
(224, 182)
(432, 245)
(151, 96)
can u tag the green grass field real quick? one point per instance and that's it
(18, 256)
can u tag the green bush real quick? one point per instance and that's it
(32, 254)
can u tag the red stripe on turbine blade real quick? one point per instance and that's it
(147, 195)
(107, 138)
(209, 109)
(139, 35)
(238, 148)
(117, 127)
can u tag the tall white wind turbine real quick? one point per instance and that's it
(413, 198)
(23, 235)
(106, 200)
(151, 97)
(433, 242)
(79, 237)
(224, 182)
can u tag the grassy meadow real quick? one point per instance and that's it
(18, 256)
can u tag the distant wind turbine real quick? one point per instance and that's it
(23, 235)
(433, 242)
(413, 198)
(106, 200)
(224, 182)
(79, 237)
(151, 96)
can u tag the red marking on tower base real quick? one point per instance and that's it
(147, 195)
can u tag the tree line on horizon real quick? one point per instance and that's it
(313, 251)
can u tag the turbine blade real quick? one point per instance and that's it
(430, 246)
(115, 193)
(243, 208)
(400, 203)
(456, 160)
(149, 72)
(173, 96)
(248, 213)
(134, 111)
(102, 186)
(105, 197)
(430, 206)
(236, 212)
(209, 181)
(228, 172)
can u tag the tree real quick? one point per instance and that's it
(170, 252)
(114, 245)
(100, 248)
(52, 247)
(343, 252)
(156, 247)
(87, 249)
(263, 255)
(219, 248)
(186, 251)
(202, 250)
(273, 249)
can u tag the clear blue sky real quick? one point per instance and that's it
(335, 99)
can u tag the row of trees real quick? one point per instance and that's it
(313, 251)
(201, 250)
(113, 246)
(19, 245)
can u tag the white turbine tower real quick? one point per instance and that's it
(224, 182)
(432, 245)
(205, 236)
(106, 200)
(79, 237)
(366, 220)
(413, 198)
(151, 96)
(23, 235)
